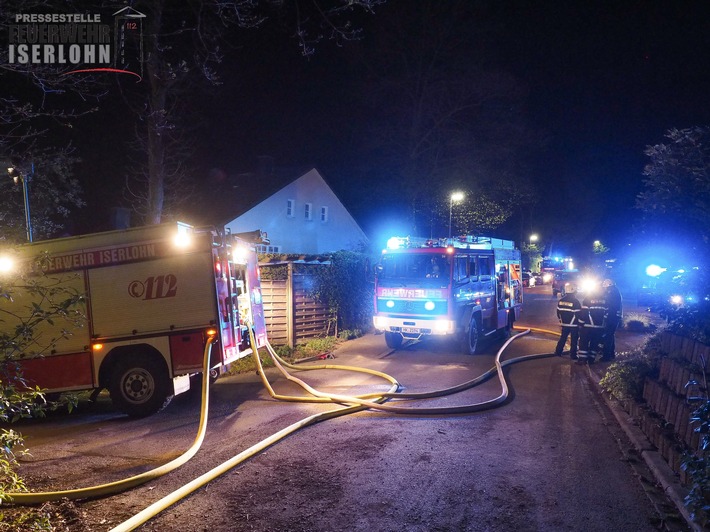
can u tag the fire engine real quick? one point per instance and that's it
(469, 287)
(153, 297)
(551, 265)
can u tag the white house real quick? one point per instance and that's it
(304, 217)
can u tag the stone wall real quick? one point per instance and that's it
(671, 398)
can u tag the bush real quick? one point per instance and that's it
(350, 334)
(691, 321)
(625, 377)
(346, 287)
(638, 322)
(46, 300)
(698, 467)
(312, 348)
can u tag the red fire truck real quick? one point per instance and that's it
(153, 296)
(470, 287)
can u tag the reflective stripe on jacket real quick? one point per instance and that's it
(593, 312)
(568, 308)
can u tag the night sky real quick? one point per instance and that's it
(600, 81)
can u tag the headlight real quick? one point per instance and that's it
(588, 285)
(182, 240)
(6, 264)
(443, 325)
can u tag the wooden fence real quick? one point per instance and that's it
(292, 316)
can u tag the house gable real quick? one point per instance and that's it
(304, 216)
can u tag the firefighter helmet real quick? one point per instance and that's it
(570, 288)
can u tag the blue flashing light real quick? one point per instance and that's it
(654, 270)
(394, 243)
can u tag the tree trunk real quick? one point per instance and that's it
(157, 119)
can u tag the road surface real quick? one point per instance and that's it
(551, 457)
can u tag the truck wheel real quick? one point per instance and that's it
(140, 386)
(393, 340)
(471, 343)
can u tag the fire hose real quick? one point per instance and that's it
(354, 404)
(359, 402)
(102, 490)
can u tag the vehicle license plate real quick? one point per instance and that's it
(410, 330)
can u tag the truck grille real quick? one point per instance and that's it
(404, 306)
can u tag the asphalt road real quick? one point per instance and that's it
(551, 457)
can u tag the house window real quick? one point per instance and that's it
(290, 208)
(309, 211)
(261, 248)
(324, 214)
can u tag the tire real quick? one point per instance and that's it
(471, 340)
(140, 385)
(393, 340)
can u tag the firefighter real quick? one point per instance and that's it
(591, 326)
(568, 308)
(613, 318)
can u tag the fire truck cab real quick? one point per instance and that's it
(152, 298)
(467, 287)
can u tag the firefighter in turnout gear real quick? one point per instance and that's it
(613, 318)
(568, 308)
(591, 327)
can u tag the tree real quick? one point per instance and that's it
(444, 120)
(53, 193)
(531, 255)
(39, 104)
(184, 47)
(676, 195)
(474, 215)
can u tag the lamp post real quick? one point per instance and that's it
(16, 176)
(455, 196)
(533, 238)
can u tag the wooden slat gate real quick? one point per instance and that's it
(292, 316)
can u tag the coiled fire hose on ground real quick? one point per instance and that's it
(361, 404)
(357, 403)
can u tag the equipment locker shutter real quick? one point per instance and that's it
(160, 295)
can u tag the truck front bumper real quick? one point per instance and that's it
(415, 327)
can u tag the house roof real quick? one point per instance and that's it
(225, 196)
(234, 195)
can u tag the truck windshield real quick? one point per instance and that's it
(416, 266)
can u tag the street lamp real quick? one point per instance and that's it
(533, 238)
(455, 196)
(16, 176)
